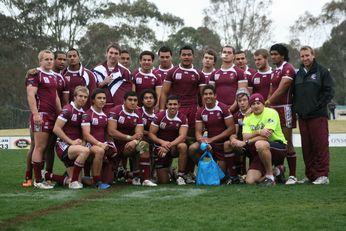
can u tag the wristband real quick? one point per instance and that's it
(128, 137)
(246, 142)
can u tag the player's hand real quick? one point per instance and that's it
(77, 142)
(167, 145)
(32, 71)
(107, 80)
(266, 132)
(162, 151)
(267, 103)
(131, 146)
(104, 146)
(37, 119)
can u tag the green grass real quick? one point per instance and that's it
(236, 207)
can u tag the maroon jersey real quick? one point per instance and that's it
(185, 84)
(61, 85)
(285, 71)
(97, 122)
(238, 118)
(82, 77)
(120, 84)
(144, 81)
(146, 118)
(46, 90)
(260, 83)
(72, 116)
(226, 83)
(126, 122)
(208, 75)
(213, 118)
(162, 73)
(249, 72)
(169, 127)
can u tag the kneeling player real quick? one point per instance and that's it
(168, 132)
(265, 141)
(69, 145)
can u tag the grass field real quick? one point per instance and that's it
(171, 207)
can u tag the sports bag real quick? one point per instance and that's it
(209, 172)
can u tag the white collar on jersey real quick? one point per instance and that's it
(206, 73)
(74, 106)
(50, 72)
(282, 65)
(265, 72)
(186, 69)
(147, 74)
(98, 113)
(231, 68)
(216, 107)
(152, 115)
(170, 68)
(175, 118)
(80, 71)
(128, 113)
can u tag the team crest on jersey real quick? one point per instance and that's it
(144, 120)
(68, 78)
(46, 79)
(74, 117)
(178, 76)
(270, 120)
(217, 76)
(153, 81)
(193, 77)
(257, 81)
(95, 121)
(219, 115)
(121, 119)
(138, 81)
(163, 125)
(205, 118)
(313, 76)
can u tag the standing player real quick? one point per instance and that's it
(241, 61)
(168, 131)
(77, 75)
(280, 98)
(144, 78)
(209, 60)
(44, 104)
(215, 119)
(228, 79)
(113, 77)
(165, 58)
(69, 146)
(125, 59)
(260, 81)
(126, 127)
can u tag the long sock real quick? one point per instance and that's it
(144, 164)
(292, 163)
(230, 161)
(57, 178)
(76, 171)
(37, 166)
(136, 173)
(96, 179)
(87, 168)
(190, 166)
(28, 174)
(107, 172)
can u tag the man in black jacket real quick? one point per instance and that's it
(313, 90)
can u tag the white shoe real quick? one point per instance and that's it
(75, 185)
(321, 180)
(149, 183)
(305, 180)
(136, 181)
(188, 179)
(43, 174)
(181, 181)
(291, 180)
(43, 185)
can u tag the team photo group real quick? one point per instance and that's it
(110, 124)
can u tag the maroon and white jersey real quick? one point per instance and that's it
(62, 87)
(213, 118)
(46, 90)
(186, 84)
(285, 71)
(72, 116)
(146, 118)
(97, 122)
(226, 83)
(169, 127)
(162, 73)
(81, 77)
(126, 122)
(144, 81)
(120, 84)
(260, 83)
(208, 75)
(249, 72)
(238, 118)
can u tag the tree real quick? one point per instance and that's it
(243, 24)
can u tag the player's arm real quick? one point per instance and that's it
(113, 131)
(65, 98)
(58, 130)
(31, 93)
(199, 132)
(153, 129)
(182, 136)
(284, 85)
(230, 129)
(166, 87)
(90, 138)
(158, 90)
(57, 103)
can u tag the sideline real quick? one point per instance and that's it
(20, 219)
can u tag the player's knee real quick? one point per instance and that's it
(261, 145)
(142, 147)
(182, 147)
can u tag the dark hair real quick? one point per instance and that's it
(239, 52)
(56, 53)
(129, 93)
(124, 52)
(208, 87)
(97, 91)
(211, 52)
(147, 53)
(148, 91)
(186, 47)
(281, 49)
(164, 49)
(73, 49)
(173, 97)
(228, 46)
(113, 45)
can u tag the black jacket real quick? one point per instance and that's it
(313, 90)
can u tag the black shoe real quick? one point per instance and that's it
(280, 179)
(267, 182)
(233, 180)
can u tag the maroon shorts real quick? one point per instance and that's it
(190, 113)
(278, 151)
(62, 151)
(47, 124)
(287, 117)
(218, 151)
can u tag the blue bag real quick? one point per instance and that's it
(209, 172)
